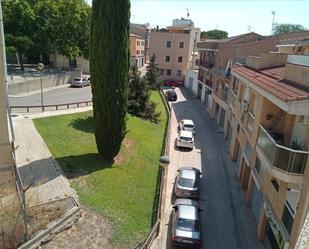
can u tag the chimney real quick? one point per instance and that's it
(266, 60)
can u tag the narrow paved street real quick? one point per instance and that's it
(227, 221)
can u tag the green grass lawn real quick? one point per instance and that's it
(123, 192)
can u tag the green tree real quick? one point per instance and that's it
(19, 17)
(48, 26)
(139, 103)
(214, 34)
(152, 73)
(287, 28)
(109, 67)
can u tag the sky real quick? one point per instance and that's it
(232, 16)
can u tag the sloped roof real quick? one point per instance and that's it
(271, 80)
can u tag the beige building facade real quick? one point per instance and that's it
(137, 50)
(173, 48)
(268, 131)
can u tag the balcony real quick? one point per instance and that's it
(221, 73)
(232, 99)
(220, 93)
(283, 161)
(205, 64)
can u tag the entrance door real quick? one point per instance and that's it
(256, 202)
(229, 134)
(206, 98)
(199, 90)
(271, 237)
(222, 117)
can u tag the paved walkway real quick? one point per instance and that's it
(49, 197)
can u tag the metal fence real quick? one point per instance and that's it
(165, 150)
(56, 107)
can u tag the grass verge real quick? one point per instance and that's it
(124, 191)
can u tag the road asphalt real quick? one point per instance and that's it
(227, 221)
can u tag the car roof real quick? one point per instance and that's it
(188, 173)
(186, 134)
(187, 121)
(187, 212)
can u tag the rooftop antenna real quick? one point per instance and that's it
(273, 23)
(249, 28)
(188, 14)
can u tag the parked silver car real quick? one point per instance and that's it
(80, 82)
(186, 125)
(186, 225)
(187, 184)
(185, 139)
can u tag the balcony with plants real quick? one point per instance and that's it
(286, 156)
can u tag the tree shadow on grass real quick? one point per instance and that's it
(80, 165)
(83, 124)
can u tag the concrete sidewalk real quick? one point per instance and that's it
(49, 198)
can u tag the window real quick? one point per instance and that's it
(161, 71)
(142, 51)
(167, 58)
(168, 72)
(179, 58)
(235, 85)
(137, 51)
(275, 183)
(138, 43)
(178, 72)
(142, 43)
(168, 44)
(181, 44)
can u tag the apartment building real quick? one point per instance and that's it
(173, 48)
(144, 31)
(212, 80)
(268, 131)
(137, 50)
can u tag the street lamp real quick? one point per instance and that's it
(40, 67)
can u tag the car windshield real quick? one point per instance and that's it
(186, 138)
(188, 225)
(77, 79)
(189, 126)
(187, 183)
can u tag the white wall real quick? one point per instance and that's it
(299, 130)
(191, 74)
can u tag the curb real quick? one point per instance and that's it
(39, 91)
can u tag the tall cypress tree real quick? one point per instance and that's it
(109, 67)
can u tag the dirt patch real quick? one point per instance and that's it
(128, 149)
(90, 231)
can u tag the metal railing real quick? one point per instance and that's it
(232, 99)
(220, 93)
(156, 227)
(281, 157)
(54, 107)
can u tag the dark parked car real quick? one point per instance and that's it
(187, 184)
(186, 225)
(173, 83)
(171, 95)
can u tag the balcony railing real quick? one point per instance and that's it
(206, 64)
(222, 73)
(281, 157)
(232, 99)
(221, 94)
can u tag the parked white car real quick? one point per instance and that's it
(186, 125)
(80, 82)
(185, 139)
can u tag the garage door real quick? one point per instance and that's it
(256, 202)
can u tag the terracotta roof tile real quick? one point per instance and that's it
(271, 81)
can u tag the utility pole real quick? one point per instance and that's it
(273, 23)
